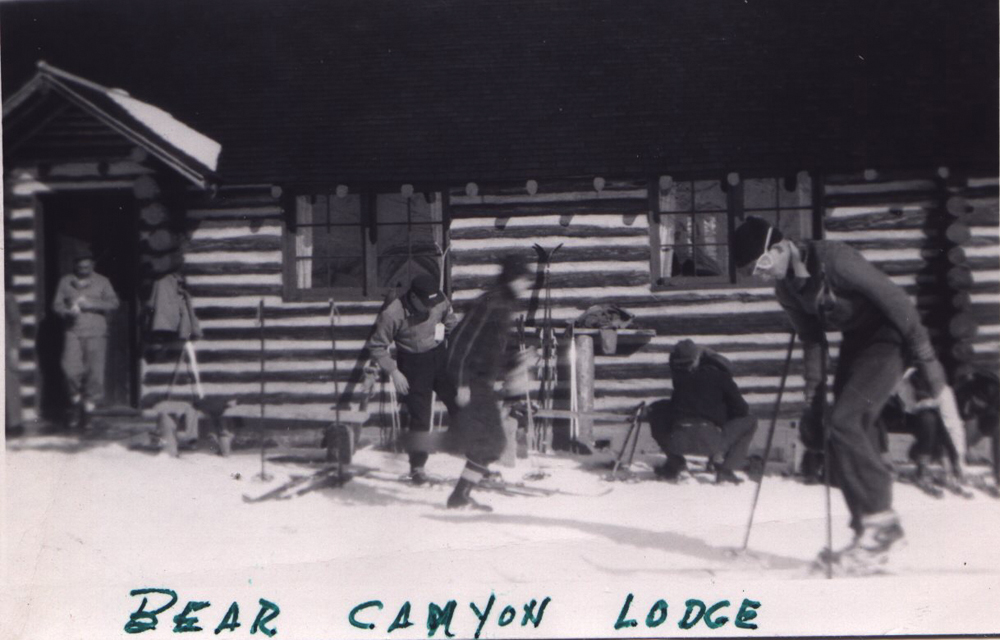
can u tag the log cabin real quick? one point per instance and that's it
(297, 161)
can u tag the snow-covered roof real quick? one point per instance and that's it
(190, 152)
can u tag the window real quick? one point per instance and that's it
(689, 234)
(362, 245)
(692, 235)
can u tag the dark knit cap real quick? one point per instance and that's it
(426, 288)
(82, 254)
(684, 353)
(512, 267)
(749, 238)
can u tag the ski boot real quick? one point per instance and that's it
(869, 552)
(418, 476)
(672, 469)
(724, 476)
(461, 497)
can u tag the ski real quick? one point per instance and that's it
(952, 486)
(470, 506)
(980, 483)
(523, 489)
(299, 485)
(430, 481)
(923, 484)
(844, 564)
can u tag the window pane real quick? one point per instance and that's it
(305, 210)
(409, 238)
(328, 210)
(346, 210)
(677, 198)
(339, 242)
(396, 271)
(324, 273)
(800, 196)
(796, 224)
(693, 245)
(709, 196)
(395, 208)
(760, 194)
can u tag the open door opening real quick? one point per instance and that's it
(105, 223)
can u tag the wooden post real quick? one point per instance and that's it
(585, 387)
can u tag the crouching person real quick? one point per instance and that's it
(706, 415)
(477, 357)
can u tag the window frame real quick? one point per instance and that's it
(736, 213)
(369, 290)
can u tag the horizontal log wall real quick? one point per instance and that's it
(19, 221)
(983, 251)
(233, 260)
(605, 258)
(895, 223)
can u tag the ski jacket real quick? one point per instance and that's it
(412, 331)
(477, 348)
(709, 393)
(845, 292)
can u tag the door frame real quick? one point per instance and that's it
(42, 296)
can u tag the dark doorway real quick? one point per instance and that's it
(104, 222)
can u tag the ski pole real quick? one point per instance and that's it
(395, 416)
(770, 437)
(637, 420)
(529, 415)
(263, 430)
(434, 411)
(574, 424)
(334, 313)
(826, 472)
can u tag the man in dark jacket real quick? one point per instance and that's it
(477, 357)
(706, 415)
(822, 286)
(417, 323)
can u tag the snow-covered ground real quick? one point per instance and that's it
(86, 523)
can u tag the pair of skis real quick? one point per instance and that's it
(550, 351)
(490, 484)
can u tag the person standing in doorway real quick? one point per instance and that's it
(825, 285)
(418, 324)
(83, 299)
(477, 357)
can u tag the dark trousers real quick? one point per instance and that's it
(736, 436)
(678, 436)
(427, 375)
(869, 368)
(481, 426)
